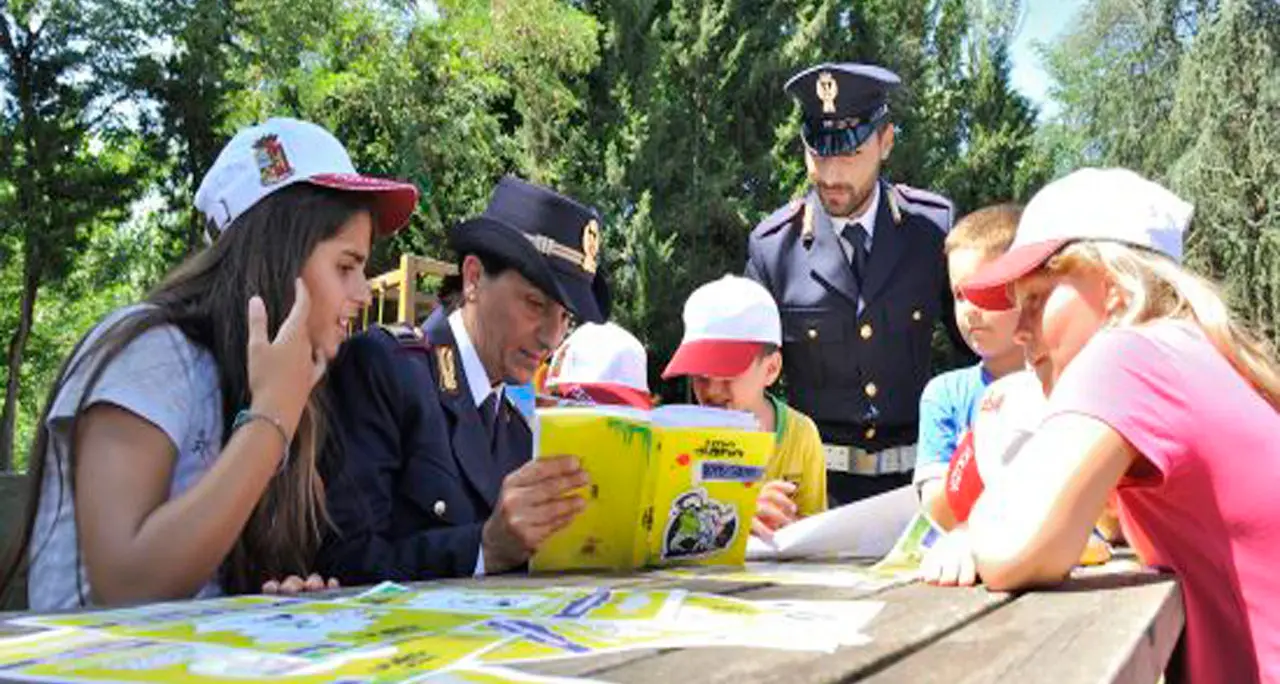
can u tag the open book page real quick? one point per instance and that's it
(693, 416)
(615, 447)
(862, 529)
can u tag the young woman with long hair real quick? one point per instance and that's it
(177, 452)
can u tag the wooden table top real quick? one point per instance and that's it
(1109, 624)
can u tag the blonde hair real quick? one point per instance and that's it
(1155, 287)
(989, 230)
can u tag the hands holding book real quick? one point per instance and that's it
(534, 503)
(774, 508)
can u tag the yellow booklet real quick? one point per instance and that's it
(676, 485)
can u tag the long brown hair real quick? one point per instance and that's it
(261, 253)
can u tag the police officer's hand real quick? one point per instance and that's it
(774, 508)
(534, 503)
(282, 371)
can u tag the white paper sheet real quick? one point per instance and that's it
(862, 529)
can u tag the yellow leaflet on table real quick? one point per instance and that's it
(92, 655)
(676, 485)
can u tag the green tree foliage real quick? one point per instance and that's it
(64, 161)
(1227, 110)
(1187, 93)
(669, 116)
(689, 104)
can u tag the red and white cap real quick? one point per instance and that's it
(726, 322)
(273, 155)
(1115, 205)
(602, 363)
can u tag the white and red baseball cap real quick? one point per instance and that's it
(601, 363)
(726, 323)
(1115, 205)
(275, 154)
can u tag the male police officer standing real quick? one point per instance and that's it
(435, 477)
(858, 271)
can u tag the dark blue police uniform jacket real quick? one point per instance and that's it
(859, 376)
(417, 475)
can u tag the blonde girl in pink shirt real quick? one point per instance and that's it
(1156, 392)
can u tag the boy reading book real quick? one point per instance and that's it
(732, 332)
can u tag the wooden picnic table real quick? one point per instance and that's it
(1107, 624)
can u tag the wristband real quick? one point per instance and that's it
(246, 416)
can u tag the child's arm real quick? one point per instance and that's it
(933, 501)
(1031, 525)
(138, 543)
(937, 438)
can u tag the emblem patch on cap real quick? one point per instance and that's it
(828, 89)
(448, 369)
(273, 164)
(590, 246)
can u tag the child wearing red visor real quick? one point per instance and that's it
(1154, 389)
(730, 351)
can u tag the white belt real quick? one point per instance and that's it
(856, 461)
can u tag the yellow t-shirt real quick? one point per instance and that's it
(798, 458)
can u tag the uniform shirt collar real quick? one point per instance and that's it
(477, 378)
(866, 218)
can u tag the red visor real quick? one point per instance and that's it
(604, 394)
(713, 358)
(989, 287)
(393, 203)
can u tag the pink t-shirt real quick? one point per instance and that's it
(1212, 513)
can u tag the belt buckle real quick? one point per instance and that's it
(838, 458)
(887, 462)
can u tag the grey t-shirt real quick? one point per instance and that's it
(162, 377)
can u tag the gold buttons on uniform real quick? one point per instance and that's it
(865, 331)
(916, 315)
(439, 508)
(813, 333)
(870, 433)
(871, 390)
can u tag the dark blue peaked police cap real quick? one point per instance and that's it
(552, 240)
(843, 104)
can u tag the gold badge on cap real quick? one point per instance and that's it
(273, 164)
(447, 368)
(590, 246)
(828, 89)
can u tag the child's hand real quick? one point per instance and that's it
(293, 584)
(774, 508)
(949, 562)
(282, 371)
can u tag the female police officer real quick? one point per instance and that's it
(435, 477)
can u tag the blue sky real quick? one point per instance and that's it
(1043, 21)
